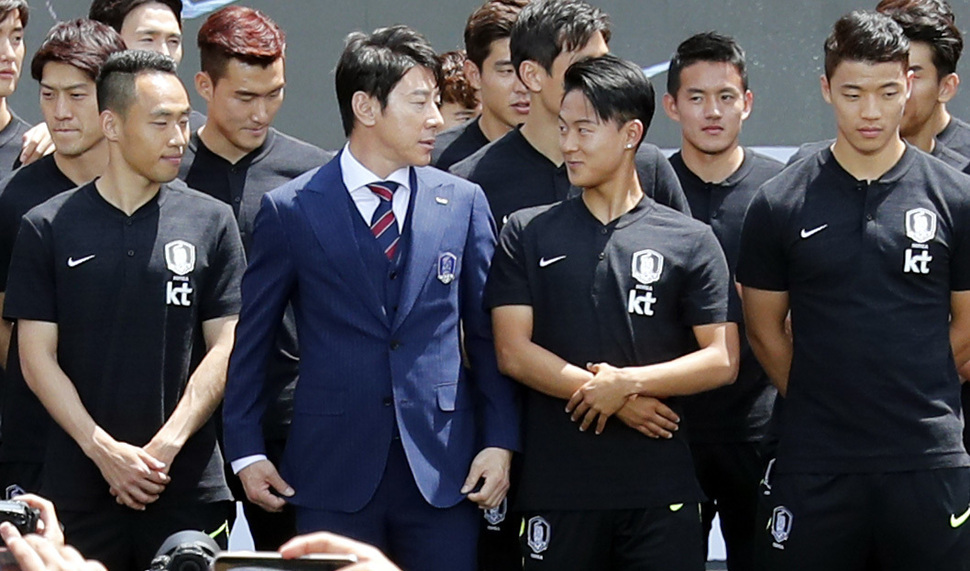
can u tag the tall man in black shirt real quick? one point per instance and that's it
(66, 65)
(237, 157)
(13, 20)
(505, 100)
(126, 292)
(611, 302)
(525, 167)
(707, 93)
(866, 243)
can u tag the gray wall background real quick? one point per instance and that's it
(783, 40)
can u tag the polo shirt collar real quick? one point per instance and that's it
(641, 208)
(827, 159)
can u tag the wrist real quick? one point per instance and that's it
(99, 445)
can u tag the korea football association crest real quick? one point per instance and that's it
(180, 257)
(447, 267)
(780, 524)
(647, 266)
(920, 225)
(538, 536)
(496, 515)
(180, 260)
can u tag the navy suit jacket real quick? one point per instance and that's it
(360, 372)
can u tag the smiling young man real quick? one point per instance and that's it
(525, 167)
(384, 261)
(125, 293)
(708, 95)
(489, 69)
(237, 157)
(66, 65)
(608, 304)
(865, 244)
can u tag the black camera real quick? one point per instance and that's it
(186, 551)
(22, 516)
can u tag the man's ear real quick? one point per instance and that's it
(110, 125)
(949, 87)
(670, 107)
(826, 89)
(748, 103)
(532, 74)
(366, 108)
(204, 85)
(472, 74)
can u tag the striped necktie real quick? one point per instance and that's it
(383, 224)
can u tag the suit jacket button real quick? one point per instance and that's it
(395, 345)
(388, 401)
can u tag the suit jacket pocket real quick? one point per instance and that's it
(447, 395)
(320, 402)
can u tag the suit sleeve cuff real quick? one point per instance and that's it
(238, 465)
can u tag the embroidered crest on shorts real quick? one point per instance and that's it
(496, 515)
(781, 521)
(538, 538)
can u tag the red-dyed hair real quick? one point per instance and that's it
(238, 32)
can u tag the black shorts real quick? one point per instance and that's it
(20, 477)
(667, 538)
(127, 540)
(729, 474)
(893, 521)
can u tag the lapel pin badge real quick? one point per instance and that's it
(441, 200)
(447, 264)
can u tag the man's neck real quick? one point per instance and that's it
(85, 167)
(368, 152)
(215, 142)
(541, 130)
(5, 115)
(925, 138)
(491, 126)
(712, 168)
(123, 188)
(867, 166)
(615, 197)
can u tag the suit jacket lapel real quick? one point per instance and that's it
(324, 202)
(430, 216)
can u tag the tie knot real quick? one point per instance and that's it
(384, 189)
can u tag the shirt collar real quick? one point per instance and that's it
(356, 175)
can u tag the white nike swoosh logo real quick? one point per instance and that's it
(544, 262)
(71, 262)
(813, 231)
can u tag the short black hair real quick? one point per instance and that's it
(617, 89)
(81, 43)
(114, 12)
(116, 82)
(375, 63)
(547, 28)
(8, 6)
(868, 37)
(922, 23)
(706, 47)
(488, 24)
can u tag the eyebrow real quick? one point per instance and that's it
(156, 31)
(64, 88)
(168, 113)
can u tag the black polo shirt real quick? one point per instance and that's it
(940, 151)
(457, 143)
(956, 136)
(869, 268)
(129, 295)
(277, 161)
(12, 144)
(514, 175)
(740, 412)
(25, 421)
(625, 293)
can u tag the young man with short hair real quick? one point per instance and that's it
(525, 167)
(708, 95)
(489, 69)
(865, 244)
(66, 66)
(153, 25)
(459, 99)
(125, 293)
(384, 261)
(13, 20)
(237, 157)
(609, 304)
